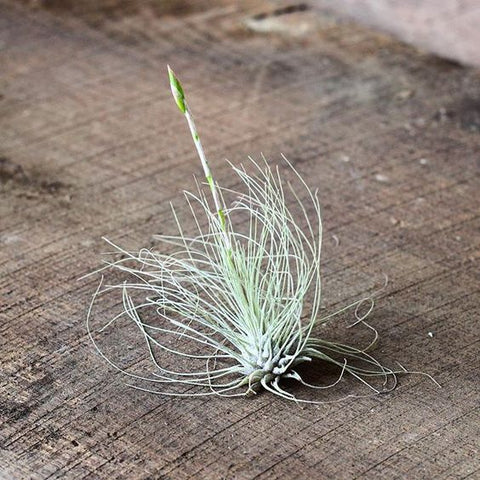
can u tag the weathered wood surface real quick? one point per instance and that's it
(92, 145)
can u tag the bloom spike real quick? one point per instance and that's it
(177, 90)
(179, 96)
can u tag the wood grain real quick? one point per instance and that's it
(91, 145)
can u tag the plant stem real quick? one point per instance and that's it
(179, 97)
(231, 263)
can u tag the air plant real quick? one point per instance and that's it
(236, 307)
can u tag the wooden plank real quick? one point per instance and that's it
(92, 145)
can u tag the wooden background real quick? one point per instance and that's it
(449, 27)
(91, 144)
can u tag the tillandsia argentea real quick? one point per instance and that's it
(233, 309)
